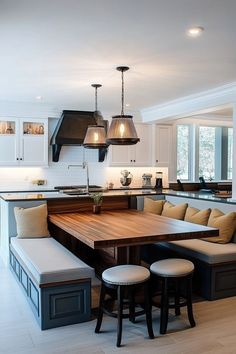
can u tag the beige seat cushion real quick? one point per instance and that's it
(173, 267)
(153, 206)
(126, 274)
(211, 253)
(174, 211)
(32, 222)
(226, 223)
(50, 262)
(197, 216)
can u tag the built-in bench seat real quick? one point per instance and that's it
(57, 283)
(215, 263)
(209, 252)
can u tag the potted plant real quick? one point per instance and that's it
(97, 200)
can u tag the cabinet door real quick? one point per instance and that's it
(119, 155)
(163, 145)
(34, 143)
(8, 143)
(142, 151)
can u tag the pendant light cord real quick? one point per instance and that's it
(96, 99)
(122, 93)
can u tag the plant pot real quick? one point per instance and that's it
(96, 209)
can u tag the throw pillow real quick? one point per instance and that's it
(153, 206)
(226, 223)
(197, 216)
(32, 222)
(174, 211)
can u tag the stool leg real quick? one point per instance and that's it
(148, 310)
(177, 298)
(120, 314)
(131, 306)
(100, 309)
(189, 302)
(164, 306)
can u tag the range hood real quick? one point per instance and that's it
(71, 130)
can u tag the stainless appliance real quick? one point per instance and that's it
(126, 178)
(159, 184)
(147, 180)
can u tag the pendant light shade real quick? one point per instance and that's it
(95, 137)
(122, 130)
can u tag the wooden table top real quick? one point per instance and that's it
(126, 228)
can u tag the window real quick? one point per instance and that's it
(230, 153)
(204, 151)
(183, 151)
(207, 149)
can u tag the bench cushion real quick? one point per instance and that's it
(49, 262)
(209, 252)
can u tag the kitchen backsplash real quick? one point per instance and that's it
(113, 175)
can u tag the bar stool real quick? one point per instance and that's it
(174, 273)
(125, 279)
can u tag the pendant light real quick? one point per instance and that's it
(122, 130)
(95, 137)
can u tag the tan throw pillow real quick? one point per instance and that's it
(174, 211)
(197, 216)
(153, 206)
(32, 222)
(226, 223)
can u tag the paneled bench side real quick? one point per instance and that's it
(54, 304)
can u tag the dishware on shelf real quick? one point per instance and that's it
(126, 178)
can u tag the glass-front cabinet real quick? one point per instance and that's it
(23, 142)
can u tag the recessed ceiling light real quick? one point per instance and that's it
(39, 98)
(195, 31)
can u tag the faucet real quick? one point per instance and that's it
(84, 165)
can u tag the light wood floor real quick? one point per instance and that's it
(20, 334)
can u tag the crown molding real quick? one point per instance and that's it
(203, 102)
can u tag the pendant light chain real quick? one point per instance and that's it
(122, 93)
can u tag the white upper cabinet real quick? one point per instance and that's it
(164, 145)
(24, 142)
(133, 155)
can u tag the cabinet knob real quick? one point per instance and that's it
(17, 158)
(131, 160)
(134, 160)
(21, 159)
(156, 160)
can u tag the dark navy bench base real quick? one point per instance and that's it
(56, 304)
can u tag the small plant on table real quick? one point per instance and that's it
(97, 200)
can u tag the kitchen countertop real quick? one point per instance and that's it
(58, 195)
(53, 194)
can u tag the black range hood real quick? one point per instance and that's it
(71, 130)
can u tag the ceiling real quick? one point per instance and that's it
(56, 49)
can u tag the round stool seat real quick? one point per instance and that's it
(173, 267)
(126, 275)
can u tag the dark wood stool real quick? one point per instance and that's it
(176, 277)
(125, 279)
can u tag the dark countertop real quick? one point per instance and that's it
(53, 194)
(32, 195)
(201, 196)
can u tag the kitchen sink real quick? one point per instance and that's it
(78, 190)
